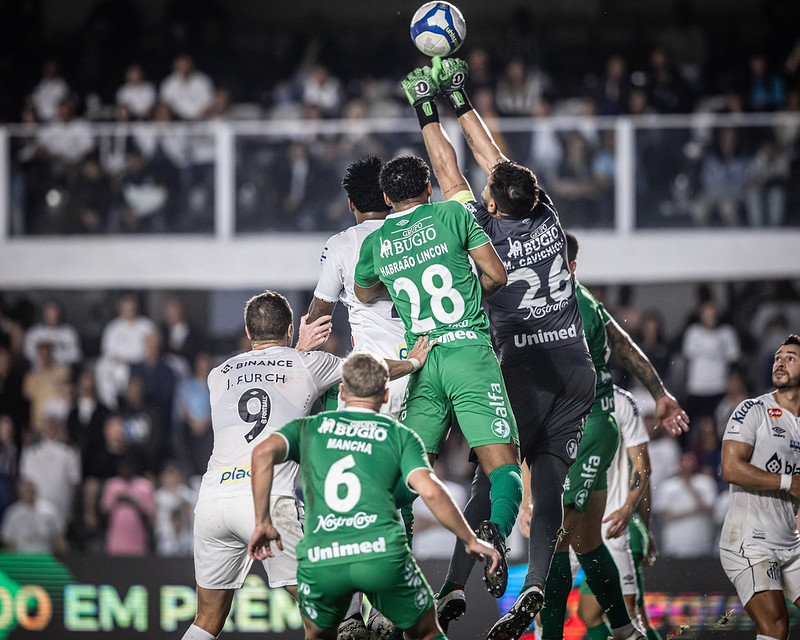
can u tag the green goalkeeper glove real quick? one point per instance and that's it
(420, 89)
(450, 76)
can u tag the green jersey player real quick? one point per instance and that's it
(350, 461)
(421, 254)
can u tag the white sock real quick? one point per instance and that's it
(623, 632)
(761, 636)
(196, 633)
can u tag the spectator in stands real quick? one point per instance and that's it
(723, 174)
(181, 339)
(736, 392)
(604, 171)
(148, 191)
(122, 345)
(547, 151)
(575, 189)
(193, 438)
(12, 400)
(652, 340)
(67, 140)
(767, 88)
(48, 381)
(54, 466)
(188, 92)
(91, 200)
(684, 504)
(710, 347)
(137, 94)
(87, 415)
(767, 179)
(52, 328)
(114, 147)
(9, 453)
(667, 91)
(322, 90)
(614, 88)
(146, 432)
(708, 450)
(175, 502)
(49, 93)
(520, 90)
(32, 524)
(157, 377)
(128, 501)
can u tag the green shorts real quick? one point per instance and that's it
(589, 472)
(462, 382)
(394, 585)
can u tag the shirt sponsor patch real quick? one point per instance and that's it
(774, 412)
(234, 474)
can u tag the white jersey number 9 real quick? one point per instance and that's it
(255, 406)
(339, 475)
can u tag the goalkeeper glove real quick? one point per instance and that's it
(450, 76)
(420, 89)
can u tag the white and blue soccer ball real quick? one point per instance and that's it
(438, 28)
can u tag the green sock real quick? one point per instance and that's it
(441, 636)
(556, 592)
(653, 634)
(506, 496)
(601, 632)
(448, 586)
(602, 577)
(407, 513)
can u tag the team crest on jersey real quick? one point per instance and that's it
(773, 570)
(226, 368)
(421, 599)
(774, 412)
(778, 432)
(500, 428)
(386, 248)
(572, 449)
(580, 498)
(403, 222)
(774, 464)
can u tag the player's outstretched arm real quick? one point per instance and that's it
(368, 294)
(736, 469)
(639, 481)
(420, 89)
(313, 334)
(319, 308)
(265, 455)
(669, 413)
(493, 273)
(451, 75)
(441, 504)
(416, 359)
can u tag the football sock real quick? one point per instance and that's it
(477, 509)
(559, 584)
(761, 636)
(653, 634)
(407, 513)
(354, 608)
(601, 632)
(441, 636)
(448, 586)
(196, 633)
(547, 489)
(506, 496)
(640, 585)
(602, 577)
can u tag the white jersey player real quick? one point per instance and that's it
(760, 545)
(252, 395)
(374, 327)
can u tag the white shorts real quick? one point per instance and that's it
(754, 569)
(620, 550)
(397, 395)
(222, 530)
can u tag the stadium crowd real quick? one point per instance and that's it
(102, 443)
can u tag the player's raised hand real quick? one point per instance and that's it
(670, 416)
(419, 86)
(449, 74)
(259, 546)
(422, 347)
(311, 336)
(481, 550)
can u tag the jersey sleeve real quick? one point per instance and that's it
(291, 433)
(325, 369)
(412, 456)
(366, 274)
(629, 419)
(743, 423)
(329, 284)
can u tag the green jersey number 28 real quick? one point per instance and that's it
(438, 292)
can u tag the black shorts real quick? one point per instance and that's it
(551, 394)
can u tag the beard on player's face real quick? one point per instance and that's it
(782, 379)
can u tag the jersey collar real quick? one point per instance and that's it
(404, 212)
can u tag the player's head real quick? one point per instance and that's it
(364, 377)
(268, 318)
(572, 251)
(406, 179)
(360, 181)
(511, 191)
(786, 366)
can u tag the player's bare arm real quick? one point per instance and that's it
(313, 334)
(319, 308)
(368, 294)
(441, 503)
(493, 276)
(265, 456)
(669, 413)
(736, 469)
(444, 161)
(416, 359)
(639, 480)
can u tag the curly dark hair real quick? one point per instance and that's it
(514, 188)
(572, 246)
(404, 178)
(360, 181)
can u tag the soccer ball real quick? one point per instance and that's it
(438, 28)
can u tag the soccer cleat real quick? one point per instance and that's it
(449, 607)
(379, 627)
(450, 74)
(519, 617)
(352, 628)
(496, 582)
(419, 86)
